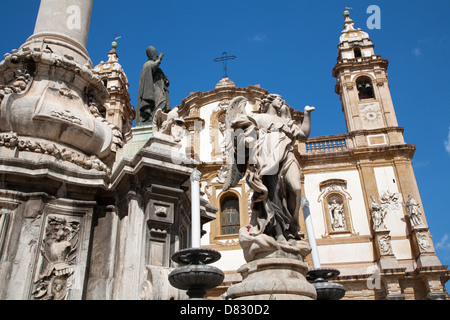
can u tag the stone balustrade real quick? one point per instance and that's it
(327, 144)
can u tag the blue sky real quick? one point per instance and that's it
(288, 47)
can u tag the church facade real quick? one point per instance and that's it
(363, 197)
(92, 208)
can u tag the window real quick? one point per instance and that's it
(357, 52)
(365, 88)
(230, 216)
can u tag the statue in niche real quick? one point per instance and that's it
(153, 89)
(337, 215)
(413, 211)
(378, 213)
(263, 144)
(58, 249)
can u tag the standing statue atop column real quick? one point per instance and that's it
(153, 89)
(262, 144)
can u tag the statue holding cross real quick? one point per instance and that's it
(225, 57)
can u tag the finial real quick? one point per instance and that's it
(114, 44)
(348, 20)
(347, 12)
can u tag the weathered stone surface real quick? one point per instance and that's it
(274, 278)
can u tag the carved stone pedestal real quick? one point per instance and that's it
(387, 259)
(273, 278)
(422, 242)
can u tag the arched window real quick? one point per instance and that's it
(357, 52)
(365, 88)
(230, 215)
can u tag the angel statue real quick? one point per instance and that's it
(261, 145)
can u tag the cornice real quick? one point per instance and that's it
(201, 99)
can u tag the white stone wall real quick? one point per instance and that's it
(395, 219)
(357, 204)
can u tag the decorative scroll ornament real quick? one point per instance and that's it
(59, 249)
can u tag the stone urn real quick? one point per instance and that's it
(194, 274)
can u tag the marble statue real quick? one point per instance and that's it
(337, 215)
(169, 124)
(378, 214)
(263, 144)
(153, 89)
(413, 211)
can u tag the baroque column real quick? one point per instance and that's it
(48, 89)
(63, 25)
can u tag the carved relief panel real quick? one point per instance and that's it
(335, 201)
(58, 248)
(63, 251)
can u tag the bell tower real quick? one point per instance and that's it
(364, 90)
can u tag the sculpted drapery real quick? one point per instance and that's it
(273, 171)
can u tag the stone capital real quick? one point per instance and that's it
(196, 176)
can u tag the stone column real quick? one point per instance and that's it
(311, 235)
(195, 200)
(129, 271)
(63, 26)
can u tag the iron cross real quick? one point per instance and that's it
(225, 57)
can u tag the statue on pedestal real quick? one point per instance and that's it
(153, 89)
(263, 144)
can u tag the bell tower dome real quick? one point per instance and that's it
(364, 90)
